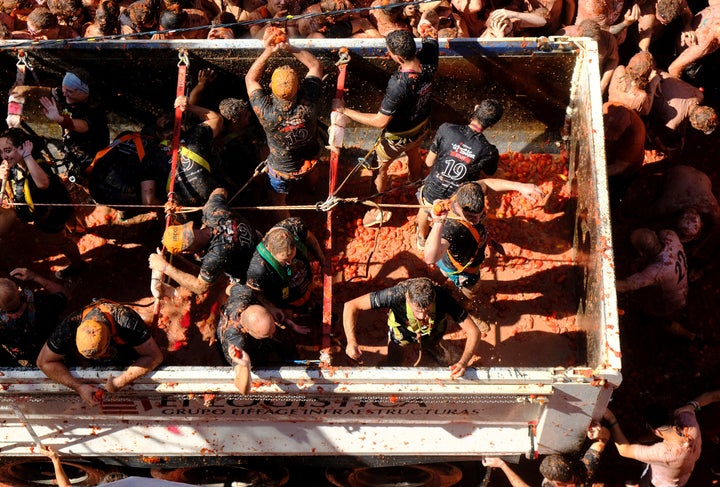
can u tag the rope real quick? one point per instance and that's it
(190, 209)
(276, 20)
(344, 59)
(170, 207)
(177, 128)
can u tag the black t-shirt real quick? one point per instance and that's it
(291, 134)
(263, 277)
(232, 243)
(462, 154)
(130, 331)
(263, 352)
(464, 247)
(395, 298)
(83, 146)
(194, 181)
(239, 153)
(23, 337)
(50, 219)
(407, 98)
(116, 176)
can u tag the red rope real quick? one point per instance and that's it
(177, 128)
(332, 182)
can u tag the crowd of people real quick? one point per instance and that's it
(270, 276)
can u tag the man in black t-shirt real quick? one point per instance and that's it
(418, 314)
(289, 117)
(104, 333)
(132, 170)
(194, 180)
(459, 153)
(27, 317)
(458, 238)
(82, 118)
(226, 239)
(404, 113)
(279, 270)
(248, 330)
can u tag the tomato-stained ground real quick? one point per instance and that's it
(526, 296)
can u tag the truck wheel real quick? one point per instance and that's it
(430, 475)
(29, 473)
(221, 475)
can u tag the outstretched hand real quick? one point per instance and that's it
(50, 109)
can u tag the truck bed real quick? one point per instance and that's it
(545, 371)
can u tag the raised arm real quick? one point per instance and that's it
(25, 275)
(210, 118)
(311, 62)
(205, 76)
(252, 78)
(61, 477)
(622, 444)
(350, 313)
(40, 177)
(707, 398)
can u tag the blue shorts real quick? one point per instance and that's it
(461, 279)
(279, 185)
(283, 185)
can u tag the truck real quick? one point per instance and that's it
(324, 411)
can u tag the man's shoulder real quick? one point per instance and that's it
(389, 296)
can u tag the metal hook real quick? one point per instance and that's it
(343, 56)
(183, 57)
(22, 60)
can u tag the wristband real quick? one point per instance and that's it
(15, 108)
(67, 122)
(695, 405)
(613, 424)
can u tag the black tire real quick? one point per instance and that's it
(225, 475)
(36, 472)
(423, 475)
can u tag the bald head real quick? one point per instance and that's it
(9, 295)
(258, 321)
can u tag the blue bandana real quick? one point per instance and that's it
(73, 82)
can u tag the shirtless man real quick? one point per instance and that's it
(624, 139)
(676, 103)
(635, 85)
(656, 14)
(706, 25)
(607, 47)
(671, 460)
